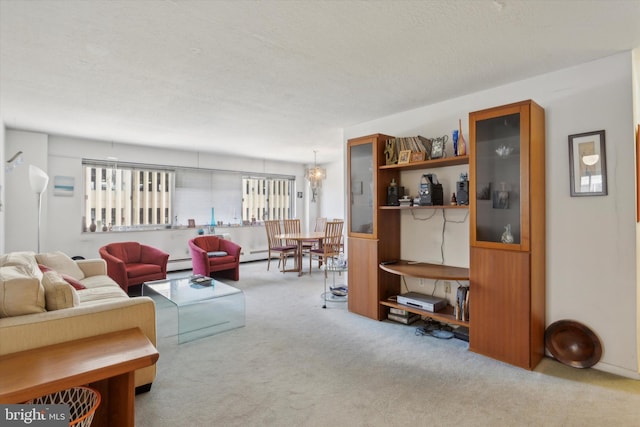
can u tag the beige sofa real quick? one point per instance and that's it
(39, 304)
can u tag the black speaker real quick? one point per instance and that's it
(462, 192)
(394, 193)
(430, 193)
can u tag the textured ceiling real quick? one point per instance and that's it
(277, 79)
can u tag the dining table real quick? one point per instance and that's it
(300, 238)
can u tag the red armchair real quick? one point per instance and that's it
(207, 256)
(132, 263)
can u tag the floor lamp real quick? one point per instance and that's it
(38, 180)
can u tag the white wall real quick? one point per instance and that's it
(62, 216)
(591, 260)
(21, 208)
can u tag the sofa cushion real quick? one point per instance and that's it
(20, 292)
(100, 294)
(58, 293)
(98, 281)
(27, 259)
(60, 262)
(138, 270)
(219, 260)
(70, 280)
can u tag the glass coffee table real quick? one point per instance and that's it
(204, 308)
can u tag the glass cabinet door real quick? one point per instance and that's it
(499, 157)
(361, 202)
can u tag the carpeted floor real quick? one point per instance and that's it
(297, 364)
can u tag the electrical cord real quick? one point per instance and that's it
(444, 225)
(435, 329)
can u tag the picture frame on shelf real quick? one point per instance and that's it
(404, 157)
(417, 156)
(437, 147)
(587, 164)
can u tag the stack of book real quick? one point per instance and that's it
(416, 144)
(402, 316)
(405, 201)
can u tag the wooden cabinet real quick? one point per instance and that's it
(372, 233)
(507, 236)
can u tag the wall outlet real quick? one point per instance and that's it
(421, 282)
(447, 287)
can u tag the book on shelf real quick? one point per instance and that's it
(419, 146)
(406, 320)
(399, 311)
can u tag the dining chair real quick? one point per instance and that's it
(319, 226)
(330, 245)
(272, 228)
(291, 226)
(342, 238)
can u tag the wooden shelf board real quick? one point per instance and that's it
(426, 271)
(426, 164)
(445, 315)
(424, 207)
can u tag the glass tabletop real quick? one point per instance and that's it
(184, 290)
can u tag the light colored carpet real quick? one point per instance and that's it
(297, 364)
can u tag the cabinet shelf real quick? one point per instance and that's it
(426, 270)
(426, 164)
(445, 315)
(424, 207)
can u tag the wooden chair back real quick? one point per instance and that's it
(291, 226)
(320, 224)
(331, 244)
(273, 229)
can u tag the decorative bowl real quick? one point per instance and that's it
(573, 344)
(339, 291)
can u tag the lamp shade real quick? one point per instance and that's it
(38, 179)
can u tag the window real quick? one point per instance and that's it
(265, 198)
(127, 195)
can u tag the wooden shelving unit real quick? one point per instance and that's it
(507, 233)
(370, 287)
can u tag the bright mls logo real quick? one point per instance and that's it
(34, 415)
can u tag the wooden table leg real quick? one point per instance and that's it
(117, 407)
(299, 257)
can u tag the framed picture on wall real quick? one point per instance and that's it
(587, 164)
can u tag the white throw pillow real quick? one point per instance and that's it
(20, 292)
(60, 262)
(58, 294)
